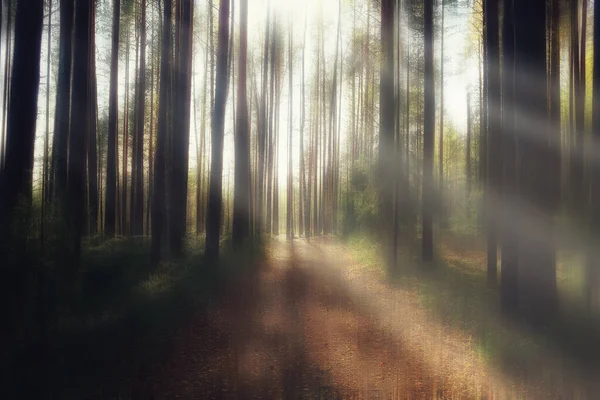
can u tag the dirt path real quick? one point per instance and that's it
(302, 326)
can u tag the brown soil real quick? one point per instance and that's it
(301, 327)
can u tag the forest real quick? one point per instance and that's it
(333, 199)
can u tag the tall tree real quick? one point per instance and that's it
(242, 184)
(215, 198)
(290, 177)
(386, 135)
(159, 197)
(110, 214)
(17, 174)
(91, 134)
(137, 187)
(79, 125)
(537, 284)
(593, 267)
(494, 159)
(181, 127)
(428, 134)
(510, 243)
(58, 174)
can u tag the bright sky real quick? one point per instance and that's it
(459, 71)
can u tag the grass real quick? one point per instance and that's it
(126, 313)
(455, 291)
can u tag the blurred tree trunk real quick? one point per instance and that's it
(290, 178)
(510, 244)
(303, 196)
(124, 226)
(537, 275)
(110, 214)
(63, 99)
(494, 140)
(468, 171)
(17, 174)
(92, 148)
(159, 210)
(593, 263)
(242, 184)
(137, 187)
(386, 135)
(6, 94)
(215, 199)
(428, 134)
(79, 125)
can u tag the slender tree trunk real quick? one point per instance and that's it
(45, 166)
(386, 134)
(92, 148)
(79, 125)
(6, 94)
(510, 244)
(290, 178)
(159, 209)
(428, 135)
(137, 187)
(494, 142)
(110, 214)
(593, 267)
(63, 102)
(215, 200)
(124, 220)
(241, 211)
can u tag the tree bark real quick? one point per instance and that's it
(241, 206)
(428, 135)
(215, 199)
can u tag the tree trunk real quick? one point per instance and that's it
(16, 175)
(593, 265)
(241, 206)
(159, 209)
(386, 134)
(510, 245)
(428, 135)
(92, 148)
(79, 125)
(494, 159)
(63, 101)
(110, 214)
(537, 277)
(215, 199)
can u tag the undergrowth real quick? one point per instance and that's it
(123, 319)
(454, 290)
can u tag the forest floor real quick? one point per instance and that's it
(310, 322)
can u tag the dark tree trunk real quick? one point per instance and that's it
(386, 135)
(137, 187)
(494, 157)
(79, 125)
(110, 215)
(16, 176)
(537, 275)
(242, 184)
(63, 103)
(92, 148)
(428, 135)
(159, 210)
(593, 267)
(181, 129)
(510, 244)
(215, 198)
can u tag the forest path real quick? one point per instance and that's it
(304, 325)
